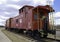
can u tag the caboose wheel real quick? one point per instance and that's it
(29, 32)
(45, 35)
(6, 28)
(36, 34)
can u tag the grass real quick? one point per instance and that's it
(13, 37)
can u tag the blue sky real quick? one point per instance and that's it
(56, 5)
(9, 8)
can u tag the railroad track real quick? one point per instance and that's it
(31, 39)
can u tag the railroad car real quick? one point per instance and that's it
(32, 20)
(8, 23)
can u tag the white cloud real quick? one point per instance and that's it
(3, 17)
(43, 2)
(57, 14)
(57, 22)
(16, 0)
(3, 1)
(9, 8)
(57, 18)
(39, 2)
(2, 24)
(13, 6)
(7, 13)
(2, 20)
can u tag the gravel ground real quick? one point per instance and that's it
(3, 37)
(15, 37)
(58, 34)
(20, 38)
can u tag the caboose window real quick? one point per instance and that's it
(35, 16)
(20, 20)
(16, 20)
(41, 14)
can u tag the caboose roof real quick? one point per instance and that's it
(47, 8)
(25, 6)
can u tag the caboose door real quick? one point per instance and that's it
(45, 24)
(43, 21)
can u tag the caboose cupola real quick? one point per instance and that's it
(46, 8)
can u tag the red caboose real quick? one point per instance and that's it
(33, 20)
(8, 23)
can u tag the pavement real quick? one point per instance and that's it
(3, 37)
